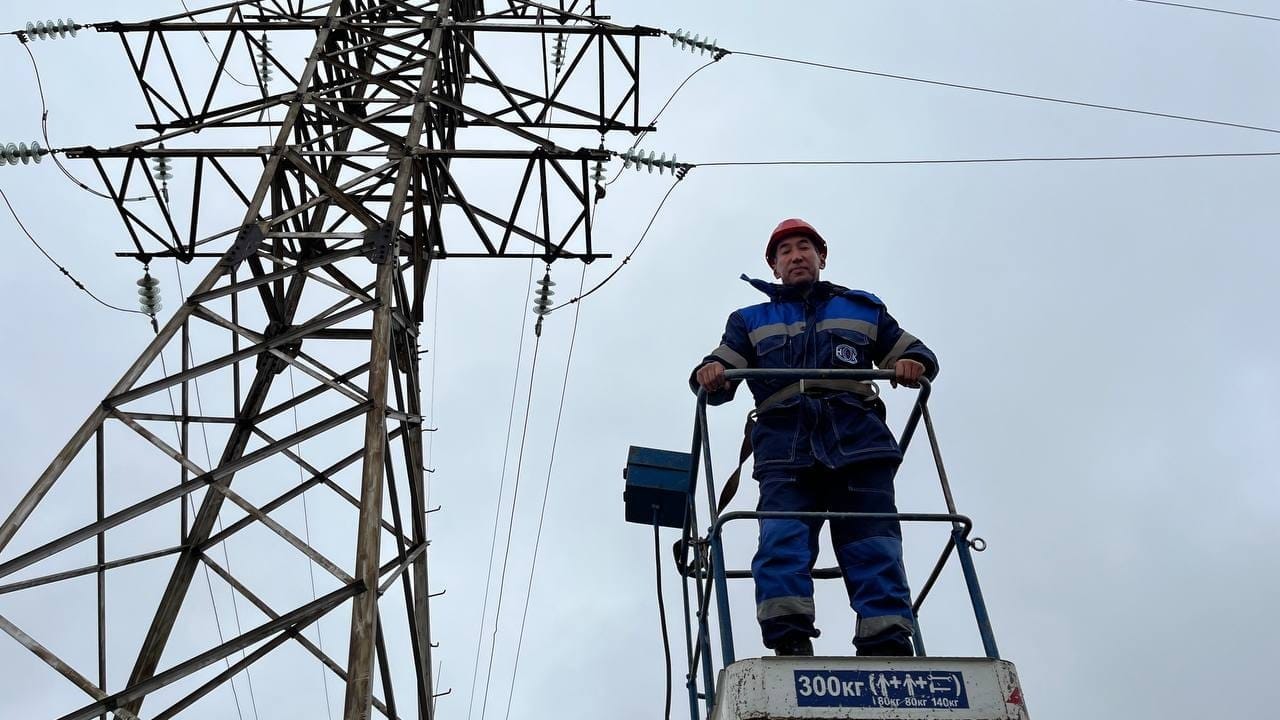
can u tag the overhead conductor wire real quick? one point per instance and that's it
(996, 160)
(1006, 93)
(311, 563)
(546, 491)
(226, 557)
(44, 131)
(1209, 9)
(958, 161)
(679, 177)
(560, 409)
(189, 503)
(497, 510)
(58, 265)
(306, 517)
(209, 46)
(515, 495)
(626, 259)
(663, 109)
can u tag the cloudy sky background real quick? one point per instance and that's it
(1107, 401)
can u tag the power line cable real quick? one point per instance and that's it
(761, 163)
(217, 621)
(187, 502)
(662, 615)
(439, 675)
(311, 563)
(58, 265)
(226, 557)
(1208, 9)
(44, 131)
(497, 510)
(963, 161)
(208, 458)
(515, 496)
(524, 323)
(626, 259)
(663, 109)
(209, 47)
(546, 490)
(1007, 93)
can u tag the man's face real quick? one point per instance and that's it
(796, 260)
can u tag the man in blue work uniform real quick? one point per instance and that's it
(821, 445)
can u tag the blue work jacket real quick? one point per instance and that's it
(817, 325)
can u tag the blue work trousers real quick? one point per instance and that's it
(869, 552)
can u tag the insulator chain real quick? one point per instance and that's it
(695, 43)
(15, 153)
(164, 172)
(558, 51)
(51, 30)
(652, 160)
(598, 174)
(149, 294)
(542, 299)
(265, 73)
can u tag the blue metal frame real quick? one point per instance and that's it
(712, 566)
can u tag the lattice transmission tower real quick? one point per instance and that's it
(393, 135)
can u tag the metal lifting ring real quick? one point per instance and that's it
(978, 544)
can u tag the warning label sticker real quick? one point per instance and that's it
(931, 689)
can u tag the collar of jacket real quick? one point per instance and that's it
(821, 290)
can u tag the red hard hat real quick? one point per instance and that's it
(789, 227)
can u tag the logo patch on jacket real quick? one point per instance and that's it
(847, 354)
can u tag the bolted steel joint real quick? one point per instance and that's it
(269, 361)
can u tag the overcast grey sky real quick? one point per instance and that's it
(1109, 390)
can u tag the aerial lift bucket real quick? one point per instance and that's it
(661, 491)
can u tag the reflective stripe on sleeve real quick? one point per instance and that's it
(895, 353)
(731, 358)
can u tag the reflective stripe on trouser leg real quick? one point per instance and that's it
(877, 585)
(875, 627)
(870, 554)
(787, 605)
(784, 561)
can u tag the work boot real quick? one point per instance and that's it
(798, 647)
(892, 647)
